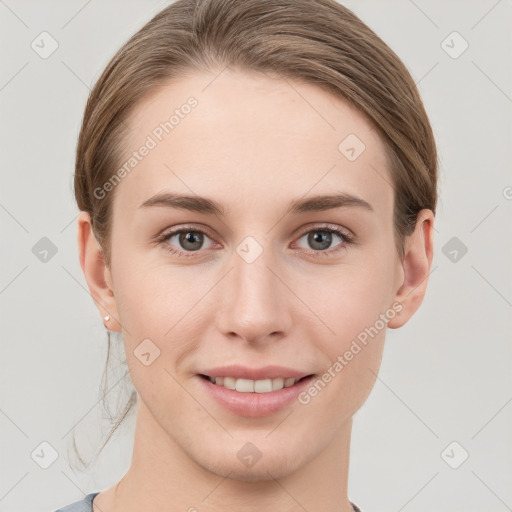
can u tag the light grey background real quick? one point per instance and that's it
(446, 375)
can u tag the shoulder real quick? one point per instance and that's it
(83, 505)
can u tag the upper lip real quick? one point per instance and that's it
(244, 372)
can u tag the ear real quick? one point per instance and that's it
(415, 268)
(97, 275)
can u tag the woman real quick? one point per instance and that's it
(257, 185)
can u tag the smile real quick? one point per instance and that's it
(253, 386)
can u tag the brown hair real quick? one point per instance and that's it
(314, 41)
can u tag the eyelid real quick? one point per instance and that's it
(350, 237)
(162, 237)
(167, 232)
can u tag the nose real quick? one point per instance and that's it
(255, 304)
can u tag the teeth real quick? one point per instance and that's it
(253, 386)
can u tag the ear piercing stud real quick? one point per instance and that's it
(107, 318)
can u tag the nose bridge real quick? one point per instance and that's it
(254, 303)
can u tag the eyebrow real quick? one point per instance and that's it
(199, 204)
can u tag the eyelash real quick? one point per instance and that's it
(346, 238)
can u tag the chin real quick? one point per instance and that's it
(265, 469)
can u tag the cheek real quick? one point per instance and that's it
(163, 307)
(355, 305)
(354, 298)
(153, 313)
(152, 296)
(355, 309)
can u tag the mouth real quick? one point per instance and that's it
(254, 386)
(254, 398)
(253, 391)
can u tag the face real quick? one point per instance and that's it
(254, 269)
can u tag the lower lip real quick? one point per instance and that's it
(254, 405)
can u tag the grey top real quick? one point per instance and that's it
(85, 505)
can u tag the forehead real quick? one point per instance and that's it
(250, 139)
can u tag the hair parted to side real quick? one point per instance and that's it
(318, 42)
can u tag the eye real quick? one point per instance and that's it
(320, 239)
(187, 240)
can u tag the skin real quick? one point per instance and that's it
(254, 143)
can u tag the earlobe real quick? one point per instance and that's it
(96, 273)
(416, 265)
